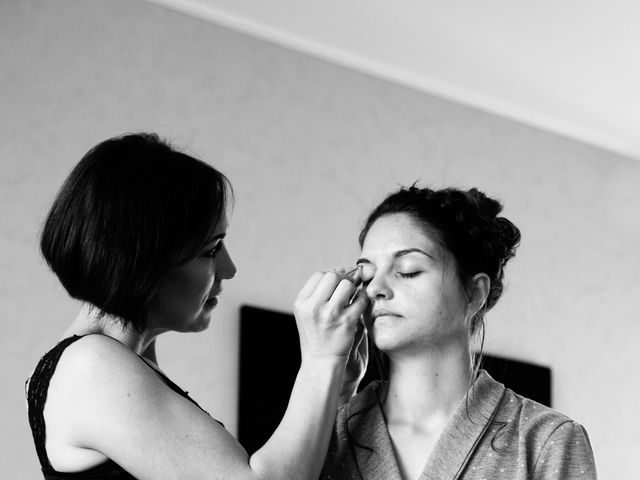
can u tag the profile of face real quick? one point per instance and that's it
(417, 299)
(188, 295)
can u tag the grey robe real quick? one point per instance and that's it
(493, 434)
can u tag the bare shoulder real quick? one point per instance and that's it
(98, 373)
(96, 343)
(104, 398)
(92, 372)
(94, 360)
(88, 389)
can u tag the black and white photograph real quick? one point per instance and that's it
(338, 240)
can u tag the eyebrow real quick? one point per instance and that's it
(400, 253)
(215, 238)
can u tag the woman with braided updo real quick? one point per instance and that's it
(432, 264)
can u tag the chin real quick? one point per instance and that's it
(392, 341)
(203, 323)
(386, 342)
(198, 324)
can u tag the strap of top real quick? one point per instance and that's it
(38, 387)
(169, 383)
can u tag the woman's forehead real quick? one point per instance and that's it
(397, 231)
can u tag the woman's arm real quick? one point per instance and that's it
(103, 398)
(307, 424)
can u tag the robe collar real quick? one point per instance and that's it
(450, 455)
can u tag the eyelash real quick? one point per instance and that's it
(214, 251)
(365, 283)
(409, 275)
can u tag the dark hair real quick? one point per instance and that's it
(464, 223)
(132, 209)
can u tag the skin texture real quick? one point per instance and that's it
(181, 303)
(420, 316)
(104, 402)
(418, 301)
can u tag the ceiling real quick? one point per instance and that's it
(571, 67)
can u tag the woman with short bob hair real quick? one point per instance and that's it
(136, 234)
(132, 210)
(432, 264)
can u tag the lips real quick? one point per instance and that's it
(215, 293)
(382, 312)
(212, 300)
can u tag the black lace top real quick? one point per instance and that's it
(38, 387)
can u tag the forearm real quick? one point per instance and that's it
(298, 447)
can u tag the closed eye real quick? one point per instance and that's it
(409, 274)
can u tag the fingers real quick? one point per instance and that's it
(360, 302)
(334, 284)
(341, 295)
(353, 311)
(326, 315)
(310, 286)
(356, 276)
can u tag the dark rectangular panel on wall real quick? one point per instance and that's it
(269, 362)
(526, 379)
(270, 358)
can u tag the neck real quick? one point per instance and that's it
(427, 387)
(88, 322)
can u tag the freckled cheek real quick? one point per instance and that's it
(427, 303)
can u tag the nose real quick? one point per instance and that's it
(225, 268)
(379, 288)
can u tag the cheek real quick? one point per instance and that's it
(456, 298)
(190, 282)
(433, 303)
(199, 282)
(425, 297)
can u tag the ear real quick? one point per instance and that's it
(478, 289)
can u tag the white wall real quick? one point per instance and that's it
(534, 62)
(310, 148)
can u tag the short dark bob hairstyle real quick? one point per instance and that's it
(131, 210)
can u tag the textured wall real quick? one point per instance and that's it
(309, 147)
